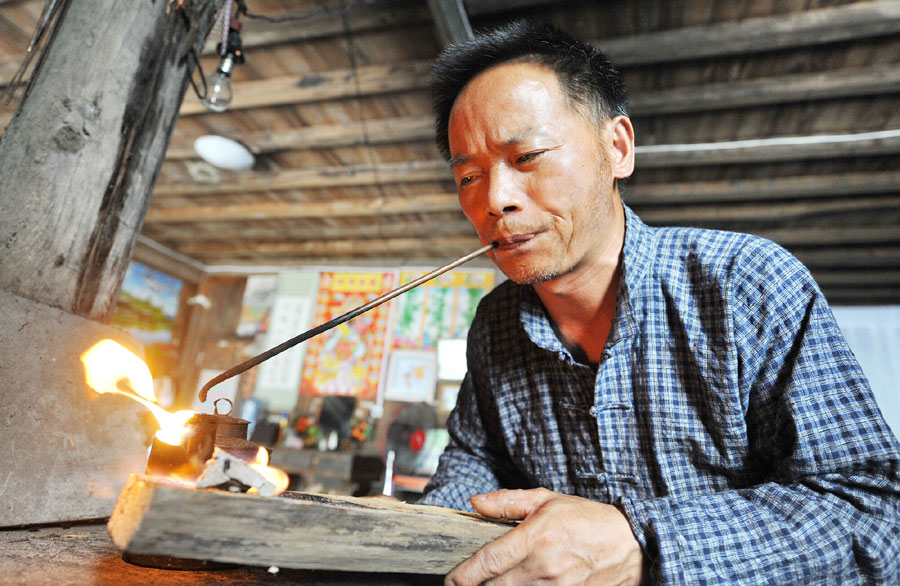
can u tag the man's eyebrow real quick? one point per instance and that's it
(458, 160)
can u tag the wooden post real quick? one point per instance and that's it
(79, 158)
(77, 166)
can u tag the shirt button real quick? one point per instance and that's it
(602, 478)
(593, 411)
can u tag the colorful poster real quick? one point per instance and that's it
(146, 308)
(147, 304)
(259, 297)
(347, 359)
(442, 308)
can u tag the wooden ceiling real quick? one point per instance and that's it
(775, 117)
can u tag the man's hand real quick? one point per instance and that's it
(562, 540)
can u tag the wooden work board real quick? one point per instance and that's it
(295, 530)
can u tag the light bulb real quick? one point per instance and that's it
(218, 87)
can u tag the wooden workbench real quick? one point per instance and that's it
(84, 554)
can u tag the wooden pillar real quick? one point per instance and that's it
(79, 158)
(77, 166)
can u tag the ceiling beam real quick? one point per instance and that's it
(446, 224)
(325, 85)
(770, 188)
(799, 29)
(848, 258)
(803, 186)
(769, 150)
(321, 177)
(451, 21)
(257, 32)
(441, 246)
(323, 136)
(799, 87)
(378, 79)
(271, 211)
(754, 212)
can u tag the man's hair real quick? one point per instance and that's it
(586, 76)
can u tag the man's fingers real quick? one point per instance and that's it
(510, 504)
(492, 560)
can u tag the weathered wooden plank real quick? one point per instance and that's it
(315, 87)
(797, 187)
(323, 136)
(784, 31)
(170, 262)
(347, 208)
(800, 87)
(336, 248)
(295, 531)
(339, 176)
(769, 150)
(323, 21)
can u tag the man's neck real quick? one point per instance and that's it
(582, 303)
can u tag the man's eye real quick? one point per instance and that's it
(528, 157)
(465, 181)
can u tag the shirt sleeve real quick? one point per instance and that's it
(828, 511)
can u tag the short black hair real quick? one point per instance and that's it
(587, 77)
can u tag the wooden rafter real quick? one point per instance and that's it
(801, 29)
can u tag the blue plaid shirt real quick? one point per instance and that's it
(727, 417)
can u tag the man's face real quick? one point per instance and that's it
(533, 174)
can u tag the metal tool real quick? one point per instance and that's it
(247, 365)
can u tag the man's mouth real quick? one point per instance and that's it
(510, 242)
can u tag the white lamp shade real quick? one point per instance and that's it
(224, 153)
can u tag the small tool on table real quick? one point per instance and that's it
(247, 365)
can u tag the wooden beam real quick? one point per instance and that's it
(862, 295)
(326, 85)
(830, 235)
(349, 208)
(377, 79)
(785, 31)
(326, 22)
(801, 87)
(769, 150)
(751, 190)
(780, 211)
(435, 224)
(847, 258)
(323, 136)
(868, 278)
(440, 246)
(153, 254)
(340, 176)
(296, 530)
(812, 186)
(451, 21)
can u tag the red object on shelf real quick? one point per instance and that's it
(417, 440)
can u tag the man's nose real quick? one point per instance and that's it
(504, 193)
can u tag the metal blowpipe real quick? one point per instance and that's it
(247, 365)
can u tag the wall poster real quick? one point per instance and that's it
(441, 308)
(347, 360)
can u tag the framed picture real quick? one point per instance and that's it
(447, 394)
(412, 375)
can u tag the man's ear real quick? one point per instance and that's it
(622, 133)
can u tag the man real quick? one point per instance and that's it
(664, 405)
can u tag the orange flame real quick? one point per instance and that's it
(111, 368)
(276, 476)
